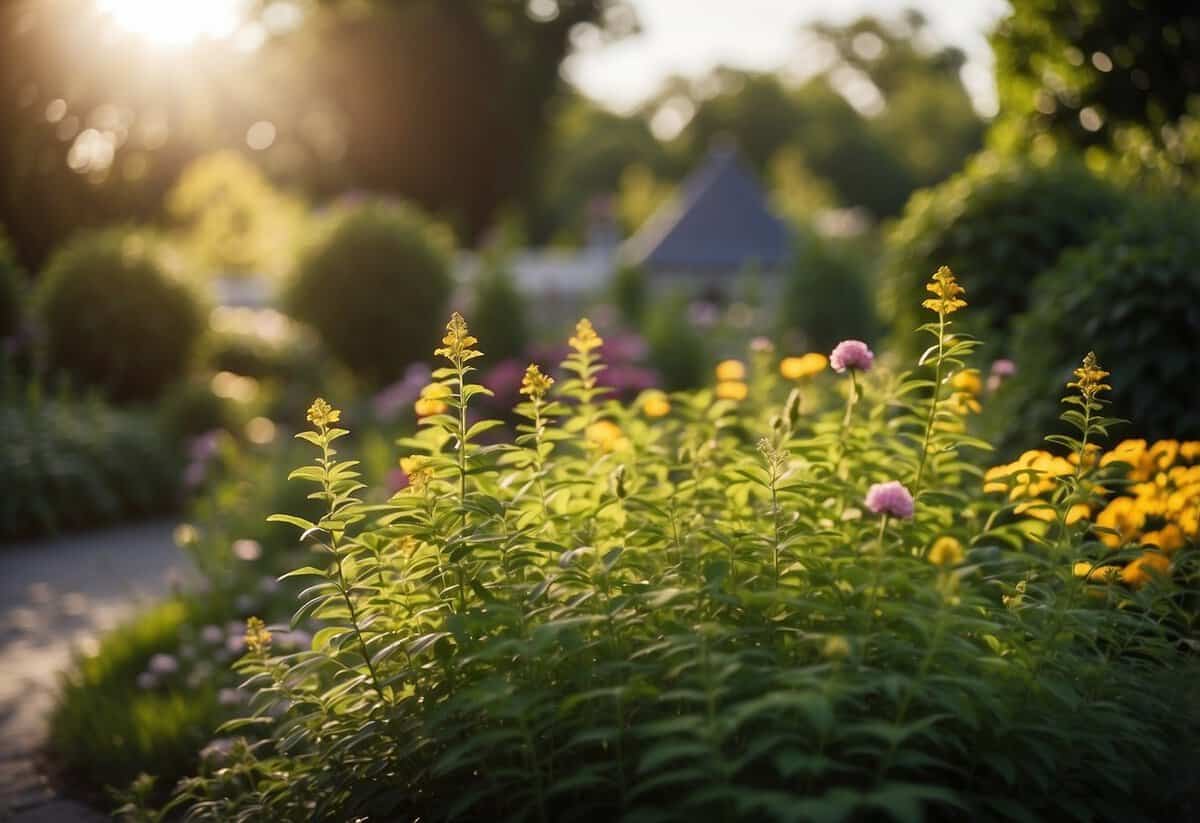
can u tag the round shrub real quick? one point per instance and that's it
(498, 315)
(374, 285)
(1133, 296)
(827, 296)
(998, 225)
(113, 318)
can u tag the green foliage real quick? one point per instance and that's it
(631, 294)
(71, 463)
(113, 318)
(373, 285)
(997, 225)
(828, 295)
(1117, 78)
(499, 312)
(697, 617)
(1131, 293)
(231, 220)
(105, 732)
(678, 351)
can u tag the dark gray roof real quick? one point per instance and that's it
(718, 222)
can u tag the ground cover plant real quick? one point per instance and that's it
(730, 604)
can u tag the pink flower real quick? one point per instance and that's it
(1004, 368)
(890, 498)
(851, 354)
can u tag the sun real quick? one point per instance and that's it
(168, 23)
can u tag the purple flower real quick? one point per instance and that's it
(1004, 368)
(162, 664)
(890, 498)
(851, 354)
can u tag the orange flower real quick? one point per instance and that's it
(731, 370)
(732, 390)
(800, 368)
(656, 404)
(1145, 568)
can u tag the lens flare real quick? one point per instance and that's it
(175, 24)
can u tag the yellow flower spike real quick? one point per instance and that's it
(656, 404)
(731, 370)
(1089, 378)
(534, 384)
(732, 390)
(457, 343)
(803, 367)
(258, 639)
(432, 400)
(947, 290)
(945, 551)
(585, 338)
(321, 414)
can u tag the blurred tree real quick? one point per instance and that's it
(443, 101)
(796, 192)
(641, 193)
(630, 294)
(827, 296)
(1120, 79)
(231, 219)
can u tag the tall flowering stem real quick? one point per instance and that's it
(947, 299)
(535, 385)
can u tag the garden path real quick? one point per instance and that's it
(56, 595)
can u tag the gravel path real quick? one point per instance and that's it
(57, 595)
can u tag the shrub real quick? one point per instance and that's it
(827, 296)
(631, 294)
(677, 350)
(70, 463)
(500, 313)
(373, 286)
(113, 318)
(1134, 290)
(734, 611)
(998, 224)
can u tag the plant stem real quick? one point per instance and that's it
(933, 403)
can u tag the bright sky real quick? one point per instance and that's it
(691, 36)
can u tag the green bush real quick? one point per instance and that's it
(113, 318)
(373, 286)
(677, 351)
(729, 610)
(827, 296)
(997, 225)
(1133, 295)
(70, 463)
(105, 730)
(631, 294)
(499, 310)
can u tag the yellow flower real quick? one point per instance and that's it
(605, 435)
(535, 384)
(1145, 568)
(258, 639)
(962, 402)
(656, 404)
(585, 338)
(836, 647)
(732, 390)
(1190, 450)
(1167, 539)
(457, 343)
(1096, 574)
(1123, 516)
(321, 414)
(416, 467)
(947, 290)
(731, 370)
(946, 551)
(1089, 378)
(432, 400)
(799, 368)
(967, 380)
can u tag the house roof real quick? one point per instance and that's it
(719, 222)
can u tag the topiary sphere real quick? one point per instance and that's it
(998, 224)
(375, 286)
(1132, 295)
(113, 318)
